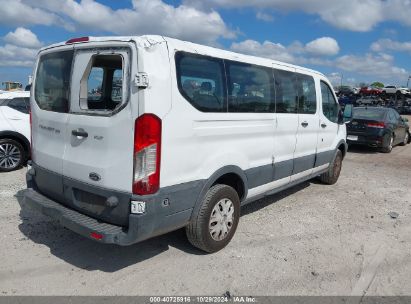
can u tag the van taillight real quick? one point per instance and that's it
(147, 154)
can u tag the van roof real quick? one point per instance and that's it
(149, 40)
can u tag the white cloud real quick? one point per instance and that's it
(353, 15)
(375, 66)
(267, 49)
(145, 17)
(325, 46)
(19, 13)
(23, 37)
(20, 49)
(296, 52)
(391, 45)
(380, 66)
(264, 17)
(12, 55)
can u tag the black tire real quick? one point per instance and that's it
(6, 164)
(389, 146)
(198, 231)
(331, 176)
(406, 139)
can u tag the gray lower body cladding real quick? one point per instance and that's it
(86, 213)
(83, 208)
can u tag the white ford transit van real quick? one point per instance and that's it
(133, 137)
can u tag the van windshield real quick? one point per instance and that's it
(52, 84)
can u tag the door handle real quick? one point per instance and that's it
(323, 125)
(79, 133)
(304, 124)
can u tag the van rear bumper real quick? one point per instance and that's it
(140, 228)
(77, 222)
(158, 219)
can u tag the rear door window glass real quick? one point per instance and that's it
(52, 84)
(201, 81)
(249, 89)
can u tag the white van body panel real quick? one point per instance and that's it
(246, 140)
(93, 174)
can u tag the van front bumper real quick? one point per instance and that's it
(83, 224)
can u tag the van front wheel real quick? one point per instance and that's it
(217, 219)
(331, 176)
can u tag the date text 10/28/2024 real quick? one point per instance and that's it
(203, 299)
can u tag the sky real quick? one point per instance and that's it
(350, 41)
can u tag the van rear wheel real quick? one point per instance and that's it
(217, 219)
(331, 176)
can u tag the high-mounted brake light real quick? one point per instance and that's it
(77, 40)
(378, 125)
(147, 154)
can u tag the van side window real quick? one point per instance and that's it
(249, 89)
(307, 98)
(105, 81)
(330, 105)
(285, 92)
(52, 86)
(201, 81)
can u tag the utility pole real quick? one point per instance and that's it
(408, 81)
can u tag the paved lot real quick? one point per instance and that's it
(310, 240)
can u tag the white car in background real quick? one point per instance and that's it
(14, 129)
(396, 90)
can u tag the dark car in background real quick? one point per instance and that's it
(377, 127)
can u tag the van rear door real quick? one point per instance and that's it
(99, 136)
(49, 110)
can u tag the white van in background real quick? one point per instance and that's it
(134, 137)
(14, 130)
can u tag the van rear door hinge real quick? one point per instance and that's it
(141, 80)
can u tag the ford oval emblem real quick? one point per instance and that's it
(94, 176)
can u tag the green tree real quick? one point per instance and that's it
(378, 84)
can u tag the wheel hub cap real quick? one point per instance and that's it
(221, 219)
(9, 156)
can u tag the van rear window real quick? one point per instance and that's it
(52, 84)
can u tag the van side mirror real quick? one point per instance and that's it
(347, 115)
(404, 119)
